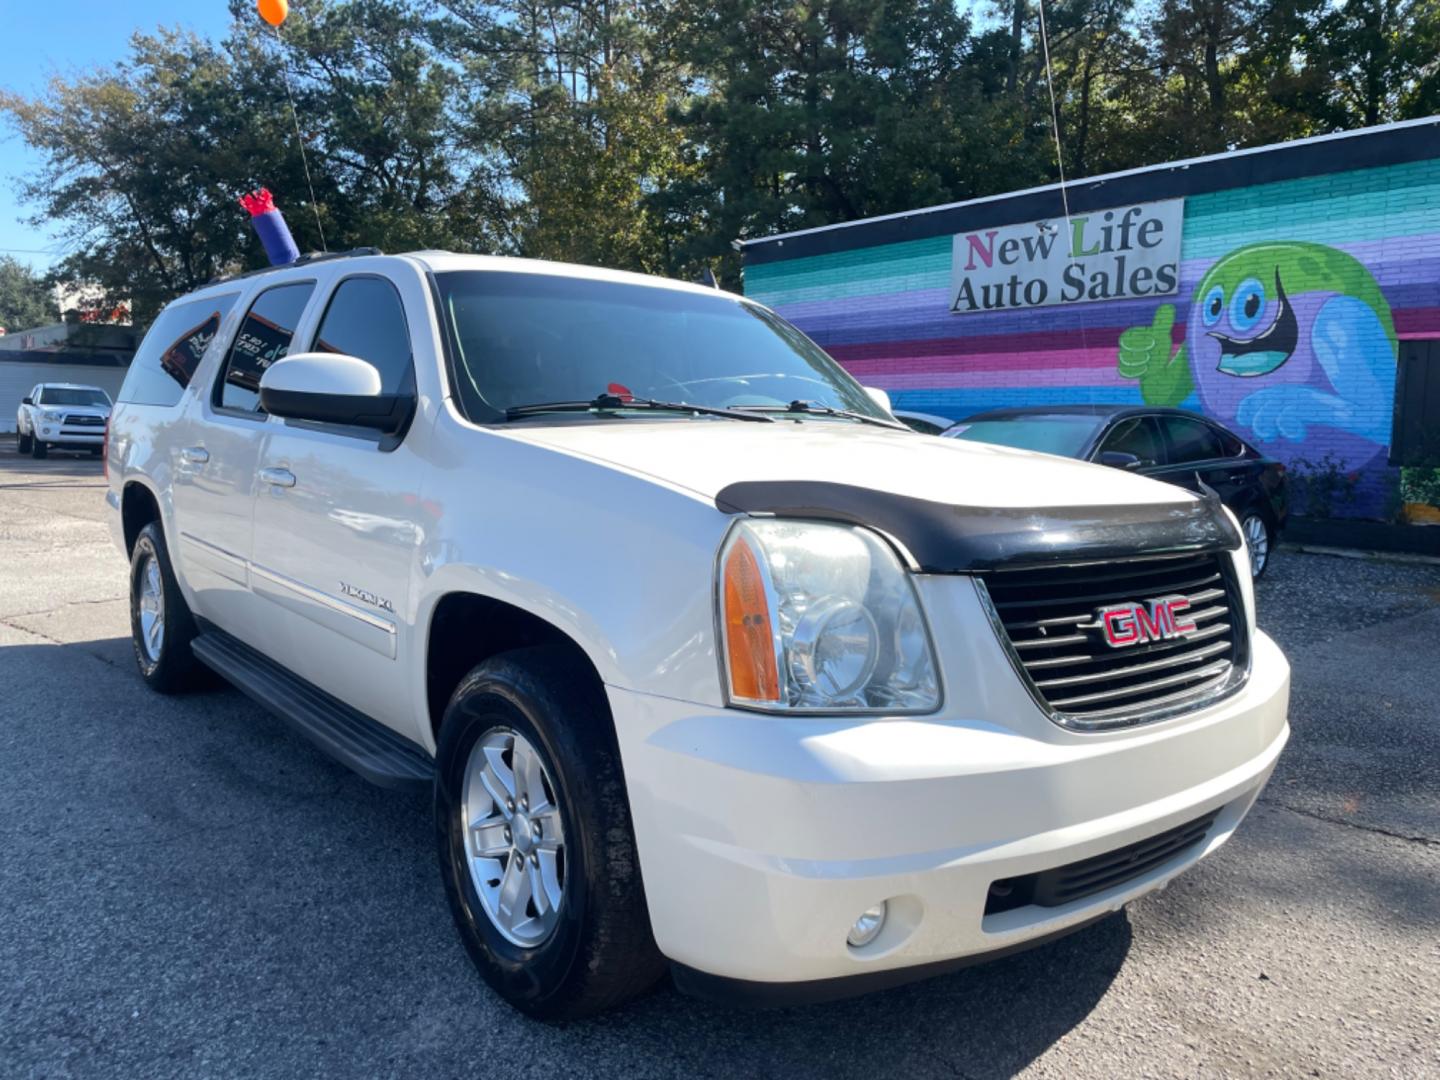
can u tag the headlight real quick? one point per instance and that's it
(821, 618)
(50, 416)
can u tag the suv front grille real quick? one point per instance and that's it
(73, 420)
(1050, 616)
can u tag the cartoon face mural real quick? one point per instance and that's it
(1280, 338)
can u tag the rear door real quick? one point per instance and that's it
(1196, 451)
(336, 514)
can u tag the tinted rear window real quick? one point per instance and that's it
(168, 356)
(1056, 434)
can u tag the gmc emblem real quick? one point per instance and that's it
(1123, 625)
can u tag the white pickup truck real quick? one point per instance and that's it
(64, 415)
(708, 662)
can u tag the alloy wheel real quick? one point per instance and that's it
(152, 609)
(1257, 539)
(514, 837)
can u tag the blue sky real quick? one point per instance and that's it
(42, 37)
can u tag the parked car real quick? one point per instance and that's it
(705, 660)
(925, 423)
(1169, 444)
(63, 415)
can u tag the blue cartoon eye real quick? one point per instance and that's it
(1248, 305)
(1212, 307)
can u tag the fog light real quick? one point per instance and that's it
(868, 926)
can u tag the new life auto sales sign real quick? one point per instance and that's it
(1126, 252)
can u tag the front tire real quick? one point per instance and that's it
(1259, 542)
(536, 847)
(38, 450)
(22, 443)
(161, 626)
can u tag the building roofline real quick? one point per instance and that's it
(1396, 143)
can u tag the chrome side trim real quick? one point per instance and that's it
(214, 549)
(323, 599)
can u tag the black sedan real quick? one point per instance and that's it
(1169, 444)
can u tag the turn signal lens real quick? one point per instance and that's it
(749, 640)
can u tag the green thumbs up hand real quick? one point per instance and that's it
(1146, 354)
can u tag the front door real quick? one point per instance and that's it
(336, 526)
(218, 451)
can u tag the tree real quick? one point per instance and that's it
(25, 299)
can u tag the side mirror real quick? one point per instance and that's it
(332, 388)
(1118, 459)
(27, 401)
(880, 397)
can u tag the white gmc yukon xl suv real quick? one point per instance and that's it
(708, 662)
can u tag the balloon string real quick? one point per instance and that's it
(299, 139)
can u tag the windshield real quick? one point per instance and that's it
(72, 395)
(1054, 434)
(523, 338)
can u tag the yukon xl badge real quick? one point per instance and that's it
(365, 596)
(1134, 623)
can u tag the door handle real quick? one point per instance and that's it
(278, 477)
(195, 455)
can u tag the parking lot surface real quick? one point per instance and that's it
(187, 889)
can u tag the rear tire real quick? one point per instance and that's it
(574, 938)
(38, 450)
(22, 443)
(161, 626)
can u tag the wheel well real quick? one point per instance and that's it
(467, 629)
(138, 508)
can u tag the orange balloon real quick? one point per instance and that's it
(274, 11)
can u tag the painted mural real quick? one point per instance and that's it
(1273, 362)
(1293, 298)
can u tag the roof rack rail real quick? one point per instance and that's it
(304, 260)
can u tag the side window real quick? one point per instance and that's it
(1135, 436)
(167, 358)
(1189, 440)
(1230, 446)
(367, 319)
(264, 337)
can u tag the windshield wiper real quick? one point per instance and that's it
(799, 406)
(613, 402)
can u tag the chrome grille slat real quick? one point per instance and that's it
(1048, 662)
(1150, 589)
(1192, 657)
(1142, 688)
(1049, 618)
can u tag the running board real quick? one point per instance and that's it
(367, 746)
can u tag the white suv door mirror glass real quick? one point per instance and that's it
(332, 388)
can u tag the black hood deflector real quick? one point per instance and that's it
(945, 539)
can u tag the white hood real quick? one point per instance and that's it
(708, 455)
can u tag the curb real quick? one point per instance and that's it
(1359, 553)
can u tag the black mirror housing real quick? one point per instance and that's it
(1118, 459)
(386, 413)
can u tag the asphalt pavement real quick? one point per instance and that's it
(187, 889)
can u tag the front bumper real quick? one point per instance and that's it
(65, 435)
(762, 838)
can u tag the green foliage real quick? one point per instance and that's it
(649, 134)
(25, 299)
(1321, 489)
